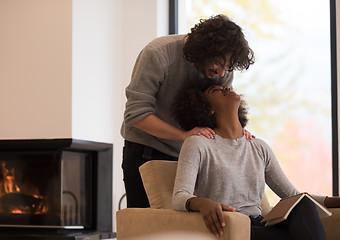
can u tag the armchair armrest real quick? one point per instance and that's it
(133, 222)
(331, 224)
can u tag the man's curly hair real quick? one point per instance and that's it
(191, 109)
(215, 38)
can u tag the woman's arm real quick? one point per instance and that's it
(211, 212)
(188, 168)
(275, 178)
(332, 202)
(280, 184)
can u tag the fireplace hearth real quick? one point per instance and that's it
(55, 189)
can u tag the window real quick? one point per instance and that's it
(288, 89)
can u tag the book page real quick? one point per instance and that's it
(283, 207)
(281, 211)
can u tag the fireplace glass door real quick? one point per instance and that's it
(46, 189)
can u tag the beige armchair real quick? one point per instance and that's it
(158, 178)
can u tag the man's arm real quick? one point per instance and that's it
(140, 113)
(161, 129)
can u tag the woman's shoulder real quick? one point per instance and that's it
(197, 141)
(262, 147)
(194, 146)
(258, 142)
(202, 141)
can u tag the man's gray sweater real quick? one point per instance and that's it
(159, 74)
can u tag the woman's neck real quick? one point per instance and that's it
(229, 134)
(231, 129)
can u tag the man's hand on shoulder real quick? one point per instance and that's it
(248, 135)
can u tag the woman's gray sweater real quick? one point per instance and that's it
(229, 171)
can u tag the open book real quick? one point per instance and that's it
(281, 210)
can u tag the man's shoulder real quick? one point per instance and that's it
(166, 49)
(165, 41)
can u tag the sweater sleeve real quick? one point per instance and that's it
(277, 180)
(147, 76)
(187, 171)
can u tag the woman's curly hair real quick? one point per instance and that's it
(191, 109)
(213, 39)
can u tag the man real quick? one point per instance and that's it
(206, 56)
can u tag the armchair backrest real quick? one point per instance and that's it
(158, 178)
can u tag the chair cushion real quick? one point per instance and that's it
(158, 178)
(133, 222)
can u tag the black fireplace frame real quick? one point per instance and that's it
(102, 158)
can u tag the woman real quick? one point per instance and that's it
(229, 172)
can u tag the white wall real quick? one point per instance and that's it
(140, 26)
(35, 69)
(64, 66)
(97, 95)
(96, 68)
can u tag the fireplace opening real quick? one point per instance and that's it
(62, 184)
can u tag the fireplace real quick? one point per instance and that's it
(55, 189)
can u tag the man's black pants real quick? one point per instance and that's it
(135, 155)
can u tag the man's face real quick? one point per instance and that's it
(217, 67)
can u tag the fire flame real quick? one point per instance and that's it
(10, 184)
(17, 211)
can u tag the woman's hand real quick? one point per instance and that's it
(211, 212)
(205, 131)
(248, 135)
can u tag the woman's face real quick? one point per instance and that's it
(220, 97)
